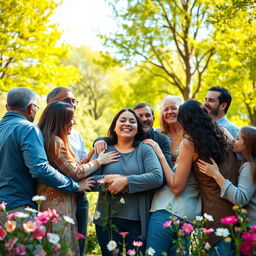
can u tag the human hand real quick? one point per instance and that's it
(118, 185)
(109, 157)
(86, 184)
(208, 169)
(155, 146)
(99, 146)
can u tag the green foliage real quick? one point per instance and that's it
(168, 35)
(29, 50)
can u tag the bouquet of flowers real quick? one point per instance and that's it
(25, 233)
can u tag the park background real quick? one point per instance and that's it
(116, 53)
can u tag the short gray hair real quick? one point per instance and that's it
(52, 95)
(19, 98)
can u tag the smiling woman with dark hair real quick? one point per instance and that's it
(130, 182)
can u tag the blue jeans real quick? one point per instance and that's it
(159, 238)
(82, 219)
(221, 248)
(123, 225)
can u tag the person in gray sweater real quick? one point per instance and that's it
(244, 193)
(125, 198)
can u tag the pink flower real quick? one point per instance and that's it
(9, 245)
(229, 220)
(187, 228)
(3, 233)
(131, 252)
(29, 226)
(20, 250)
(3, 206)
(11, 215)
(39, 233)
(246, 235)
(123, 234)
(10, 225)
(80, 236)
(137, 243)
(246, 247)
(167, 224)
(101, 181)
(43, 217)
(54, 215)
(253, 228)
(208, 231)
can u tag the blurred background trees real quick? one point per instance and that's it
(161, 47)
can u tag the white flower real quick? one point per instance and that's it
(222, 232)
(97, 215)
(207, 246)
(199, 218)
(208, 217)
(122, 201)
(53, 238)
(38, 198)
(111, 245)
(151, 251)
(68, 219)
(21, 215)
(28, 209)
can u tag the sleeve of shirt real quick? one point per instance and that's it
(241, 194)
(153, 176)
(32, 147)
(69, 166)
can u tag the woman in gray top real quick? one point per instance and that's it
(125, 206)
(245, 192)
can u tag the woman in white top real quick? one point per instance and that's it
(245, 192)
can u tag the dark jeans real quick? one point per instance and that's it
(82, 219)
(162, 239)
(221, 248)
(123, 225)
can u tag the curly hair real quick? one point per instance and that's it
(208, 139)
(112, 137)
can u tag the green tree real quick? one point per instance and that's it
(29, 50)
(235, 63)
(169, 35)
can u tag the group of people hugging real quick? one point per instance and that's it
(196, 162)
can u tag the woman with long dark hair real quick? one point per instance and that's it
(204, 140)
(244, 193)
(56, 123)
(130, 182)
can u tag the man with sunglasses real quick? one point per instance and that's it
(78, 147)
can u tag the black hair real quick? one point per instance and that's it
(208, 139)
(112, 137)
(224, 97)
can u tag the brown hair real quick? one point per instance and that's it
(248, 134)
(53, 123)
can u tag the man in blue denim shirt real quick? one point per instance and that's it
(22, 155)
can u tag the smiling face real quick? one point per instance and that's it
(146, 117)
(170, 111)
(70, 125)
(126, 125)
(239, 144)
